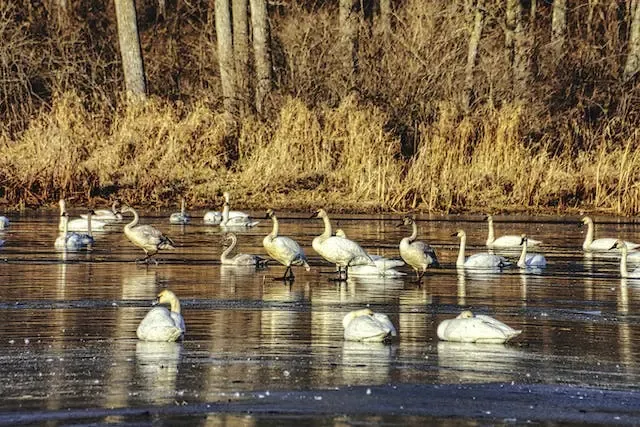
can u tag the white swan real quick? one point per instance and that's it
(507, 241)
(384, 267)
(78, 224)
(481, 260)
(624, 273)
(216, 217)
(146, 237)
(73, 241)
(602, 244)
(418, 255)
(479, 329)
(283, 249)
(161, 324)
(106, 215)
(4, 222)
(530, 260)
(181, 217)
(365, 325)
(239, 219)
(342, 252)
(239, 259)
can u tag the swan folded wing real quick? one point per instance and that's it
(486, 260)
(212, 218)
(374, 271)
(241, 221)
(367, 328)
(479, 329)
(340, 250)
(535, 260)
(386, 263)
(160, 325)
(606, 243)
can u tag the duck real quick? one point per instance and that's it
(4, 222)
(146, 237)
(624, 273)
(342, 252)
(284, 249)
(78, 224)
(384, 267)
(182, 217)
(479, 261)
(106, 215)
(365, 325)
(239, 259)
(161, 324)
(507, 241)
(417, 254)
(602, 244)
(467, 327)
(530, 260)
(69, 240)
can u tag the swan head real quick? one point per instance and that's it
(460, 233)
(488, 217)
(340, 233)
(165, 297)
(63, 206)
(320, 213)
(586, 220)
(228, 238)
(356, 313)
(619, 244)
(467, 314)
(406, 220)
(524, 239)
(227, 196)
(270, 213)
(126, 209)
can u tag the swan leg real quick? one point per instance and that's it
(339, 278)
(288, 275)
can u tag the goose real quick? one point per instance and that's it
(73, 241)
(148, 238)
(384, 267)
(417, 254)
(106, 215)
(365, 325)
(283, 249)
(602, 244)
(481, 260)
(78, 224)
(181, 217)
(508, 241)
(530, 260)
(239, 259)
(161, 324)
(468, 327)
(624, 273)
(342, 252)
(4, 222)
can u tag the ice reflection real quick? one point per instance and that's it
(469, 362)
(157, 366)
(366, 363)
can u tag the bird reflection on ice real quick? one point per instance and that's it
(460, 362)
(366, 363)
(157, 369)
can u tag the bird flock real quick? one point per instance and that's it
(162, 324)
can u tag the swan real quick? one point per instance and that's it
(342, 252)
(481, 260)
(106, 215)
(365, 325)
(530, 260)
(468, 327)
(78, 224)
(603, 244)
(73, 241)
(146, 237)
(239, 259)
(283, 249)
(418, 255)
(624, 273)
(181, 217)
(4, 222)
(161, 324)
(235, 218)
(384, 267)
(508, 241)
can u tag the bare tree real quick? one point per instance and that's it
(558, 27)
(241, 53)
(348, 21)
(632, 65)
(385, 16)
(261, 51)
(130, 50)
(472, 51)
(516, 47)
(225, 54)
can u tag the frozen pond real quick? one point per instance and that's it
(262, 351)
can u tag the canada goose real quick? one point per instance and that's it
(530, 260)
(69, 240)
(106, 215)
(365, 325)
(182, 217)
(148, 238)
(418, 255)
(78, 224)
(624, 273)
(507, 241)
(468, 327)
(161, 324)
(239, 259)
(283, 249)
(603, 244)
(384, 267)
(481, 260)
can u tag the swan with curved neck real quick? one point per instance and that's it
(602, 244)
(146, 237)
(624, 272)
(238, 259)
(418, 255)
(161, 324)
(507, 241)
(283, 249)
(530, 260)
(481, 260)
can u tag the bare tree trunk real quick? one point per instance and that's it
(385, 16)
(241, 53)
(161, 11)
(130, 50)
(472, 52)
(261, 51)
(558, 28)
(632, 65)
(225, 54)
(516, 47)
(62, 9)
(348, 21)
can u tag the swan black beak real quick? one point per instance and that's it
(454, 235)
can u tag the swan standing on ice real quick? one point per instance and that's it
(384, 267)
(342, 252)
(479, 329)
(4, 222)
(74, 241)
(283, 249)
(239, 259)
(182, 217)
(508, 241)
(146, 237)
(418, 255)
(603, 244)
(161, 324)
(624, 273)
(106, 215)
(530, 260)
(78, 224)
(365, 325)
(481, 260)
